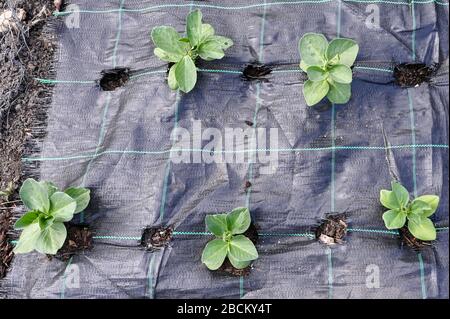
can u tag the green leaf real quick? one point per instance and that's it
(194, 27)
(171, 80)
(27, 239)
(432, 201)
(238, 220)
(341, 73)
(186, 74)
(168, 40)
(51, 188)
(339, 93)
(314, 92)
(394, 219)
(304, 66)
(34, 195)
(26, 219)
(185, 40)
(397, 199)
(210, 50)
(214, 254)
(401, 193)
(217, 224)
(207, 32)
(81, 195)
(165, 56)
(345, 49)
(333, 61)
(45, 221)
(51, 239)
(420, 208)
(238, 264)
(224, 42)
(312, 49)
(242, 249)
(421, 227)
(316, 73)
(62, 207)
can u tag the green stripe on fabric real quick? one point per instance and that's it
(220, 71)
(63, 287)
(191, 233)
(413, 140)
(241, 287)
(223, 71)
(287, 71)
(116, 237)
(198, 5)
(250, 151)
(310, 235)
(338, 20)
(50, 81)
(333, 165)
(307, 149)
(333, 158)
(162, 208)
(119, 33)
(135, 76)
(242, 7)
(330, 272)
(333, 123)
(151, 292)
(413, 34)
(199, 233)
(374, 231)
(368, 68)
(422, 276)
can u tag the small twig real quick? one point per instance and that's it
(34, 21)
(10, 202)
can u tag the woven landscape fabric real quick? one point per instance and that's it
(331, 159)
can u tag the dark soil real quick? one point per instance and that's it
(6, 253)
(154, 238)
(114, 78)
(26, 53)
(332, 230)
(227, 267)
(409, 240)
(79, 238)
(256, 71)
(412, 74)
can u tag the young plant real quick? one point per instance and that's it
(328, 68)
(184, 51)
(415, 213)
(229, 242)
(43, 225)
